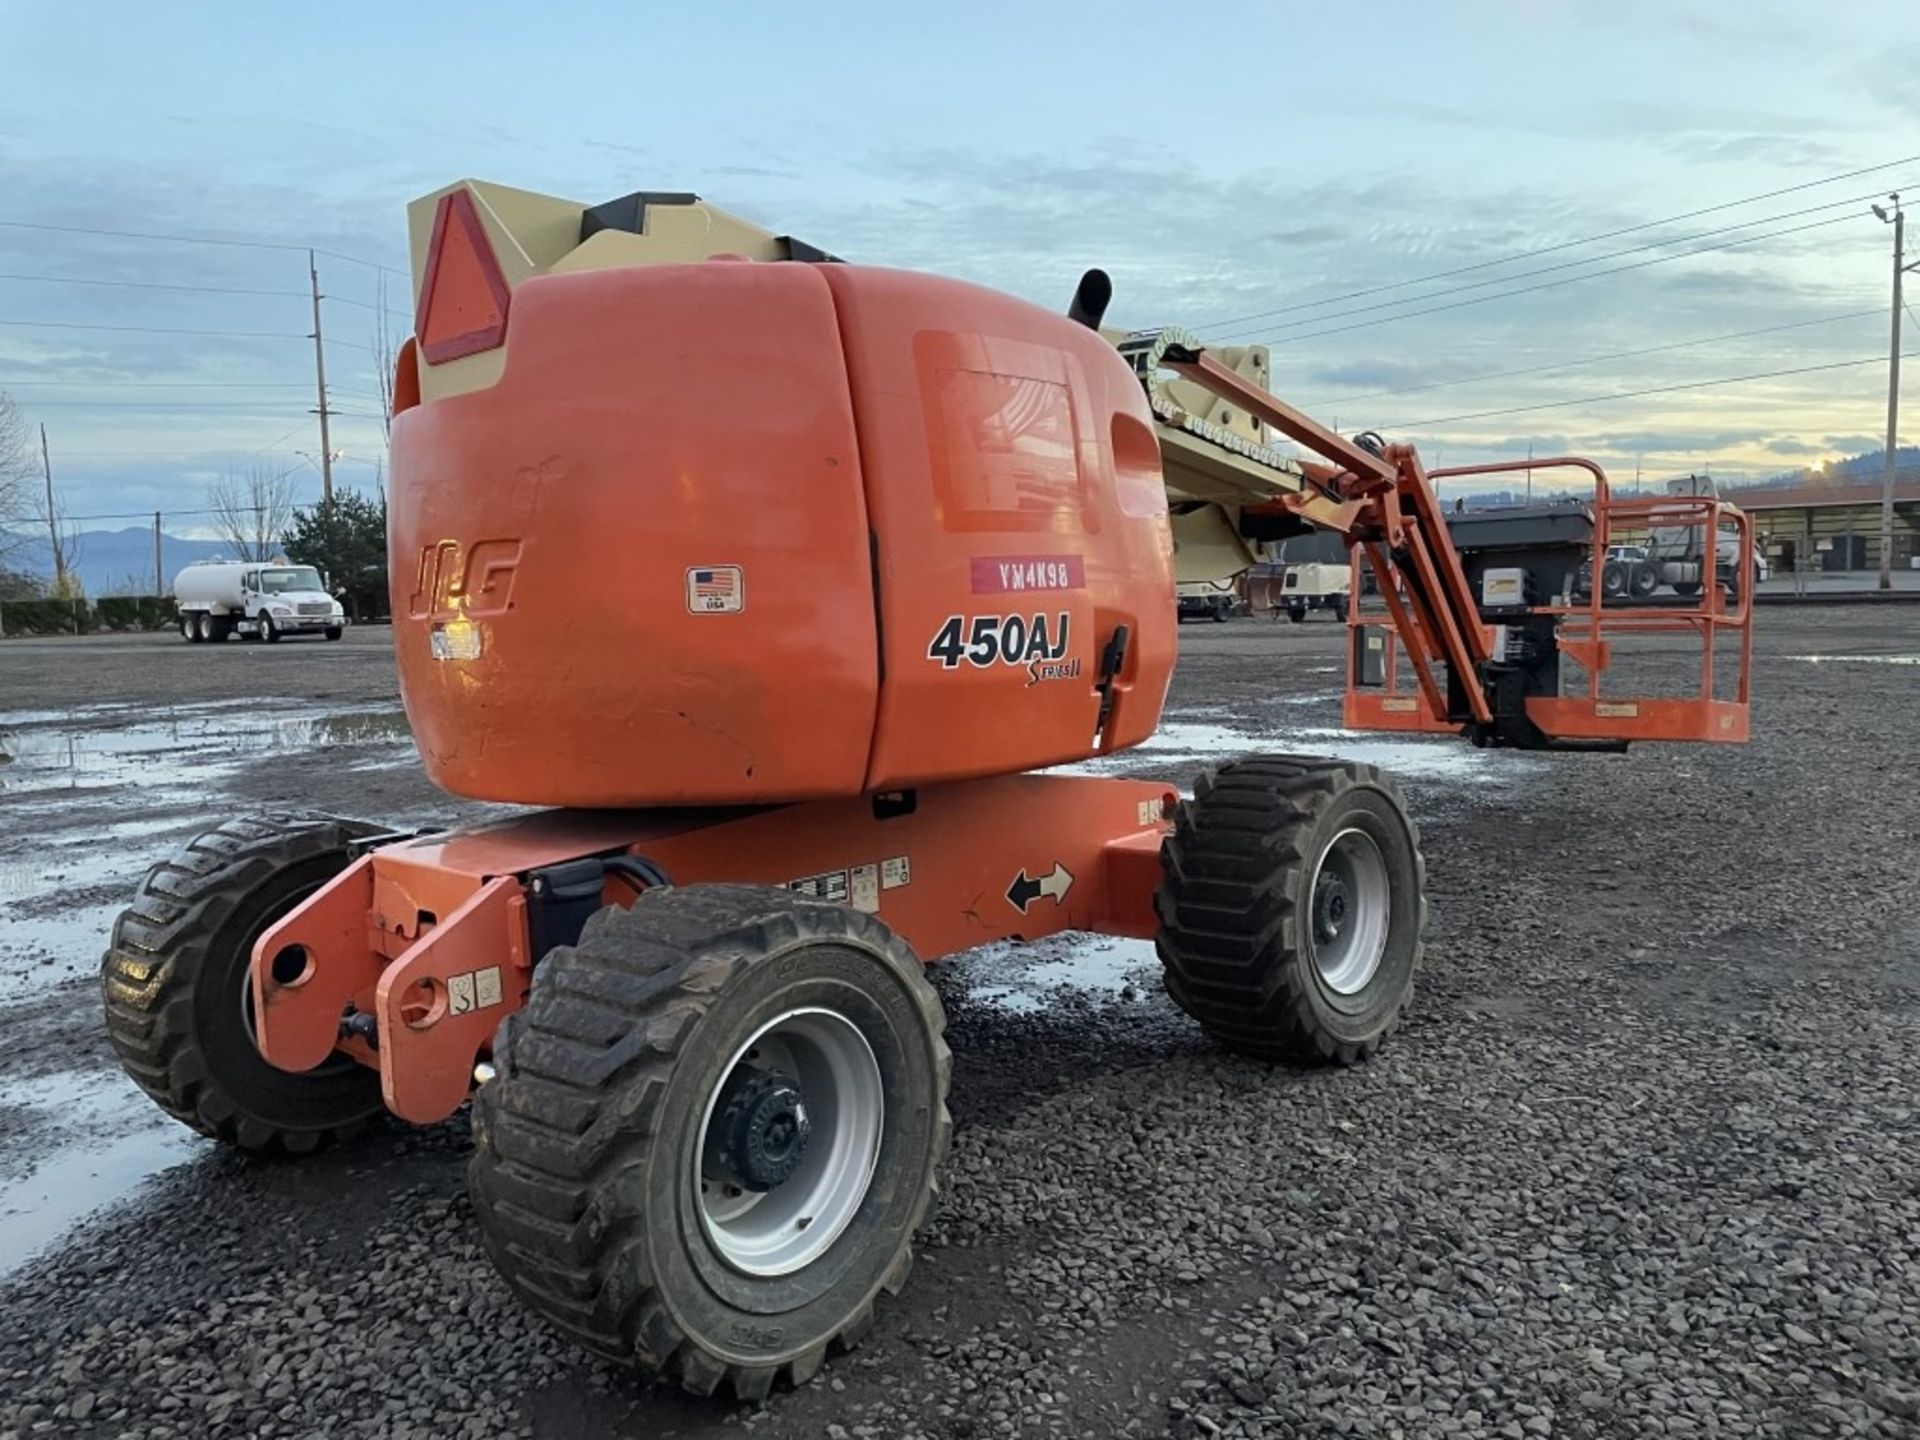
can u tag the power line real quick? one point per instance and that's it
(288, 436)
(1593, 359)
(362, 304)
(159, 384)
(1585, 240)
(157, 330)
(199, 407)
(196, 240)
(1543, 285)
(152, 285)
(1591, 260)
(1408, 425)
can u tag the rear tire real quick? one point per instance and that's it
(1291, 906)
(179, 1013)
(1643, 580)
(1339, 607)
(1613, 580)
(1296, 613)
(600, 1172)
(189, 629)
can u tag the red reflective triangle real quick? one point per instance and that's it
(464, 296)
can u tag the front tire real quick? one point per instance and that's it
(635, 1172)
(334, 632)
(269, 631)
(1291, 905)
(178, 1003)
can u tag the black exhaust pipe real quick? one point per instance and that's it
(1090, 299)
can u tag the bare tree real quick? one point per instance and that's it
(16, 476)
(134, 582)
(252, 507)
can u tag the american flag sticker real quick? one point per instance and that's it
(716, 590)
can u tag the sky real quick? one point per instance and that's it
(1237, 168)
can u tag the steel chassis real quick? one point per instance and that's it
(413, 955)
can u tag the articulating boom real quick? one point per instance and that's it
(1483, 627)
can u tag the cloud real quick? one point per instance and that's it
(1715, 147)
(1787, 445)
(1372, 373)
(1887, 75)
(1673, 442)
(1853, 444)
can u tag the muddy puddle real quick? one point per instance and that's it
(1185, 738)
(100, 1140)
(1027, 977)
(1858, 659)
(182, 748)
(90, 798)
(106, 790)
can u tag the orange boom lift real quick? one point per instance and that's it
(776, 580)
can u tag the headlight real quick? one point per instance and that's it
(280, 610)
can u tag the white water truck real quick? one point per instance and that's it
(257, 600)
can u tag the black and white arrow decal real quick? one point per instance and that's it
(1026, 889)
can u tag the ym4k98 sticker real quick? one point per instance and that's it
(1037, 642)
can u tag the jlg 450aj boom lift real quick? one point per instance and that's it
(777, 577)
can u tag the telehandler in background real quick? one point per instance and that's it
(773, 579)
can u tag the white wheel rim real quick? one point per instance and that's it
(787, 1228)
(1349, 907)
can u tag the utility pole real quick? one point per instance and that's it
(320, 381)
(53, 517)
(159, 574)
(1898, 219)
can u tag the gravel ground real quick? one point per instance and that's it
(1642, 1163)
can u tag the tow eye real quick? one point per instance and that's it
(759, 1132)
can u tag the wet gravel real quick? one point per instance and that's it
(1643, 1162)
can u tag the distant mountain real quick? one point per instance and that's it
(120, 561)
(1856, 469)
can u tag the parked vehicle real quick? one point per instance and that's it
(1629, 570)
(1316, 575)
(255, 600)
(1206, 599)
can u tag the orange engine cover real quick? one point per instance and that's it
(735, 533)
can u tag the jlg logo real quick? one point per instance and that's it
(449, 585)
